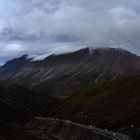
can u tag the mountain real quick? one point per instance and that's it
(101, 86)
(63, 74)
(18, 103)
(113, 105)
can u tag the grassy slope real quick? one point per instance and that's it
(112, 104)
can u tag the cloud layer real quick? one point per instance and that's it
(53, 26)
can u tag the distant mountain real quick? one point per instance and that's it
(113, 105)
(62, 75)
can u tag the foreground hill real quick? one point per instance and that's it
(17, 103)
(9, 131)
(112, 104)
(62, 75)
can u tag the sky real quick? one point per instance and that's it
(42, 27)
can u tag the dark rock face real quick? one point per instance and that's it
(63, 74)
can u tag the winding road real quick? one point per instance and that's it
(103, 132)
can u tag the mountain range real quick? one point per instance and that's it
(63, 74)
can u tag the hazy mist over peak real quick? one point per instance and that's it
(40, 27)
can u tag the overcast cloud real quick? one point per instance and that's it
(41, 27)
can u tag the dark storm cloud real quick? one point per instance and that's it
(45, 26)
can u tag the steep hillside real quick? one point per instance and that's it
(17, 103)
(62, 75)
(20, 105)
(112, 104)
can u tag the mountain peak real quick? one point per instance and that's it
(59, 73)
(107, 50)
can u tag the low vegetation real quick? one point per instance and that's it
(112, 104)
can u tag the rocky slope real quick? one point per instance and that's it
(62, 75)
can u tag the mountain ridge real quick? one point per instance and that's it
(58, 74)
